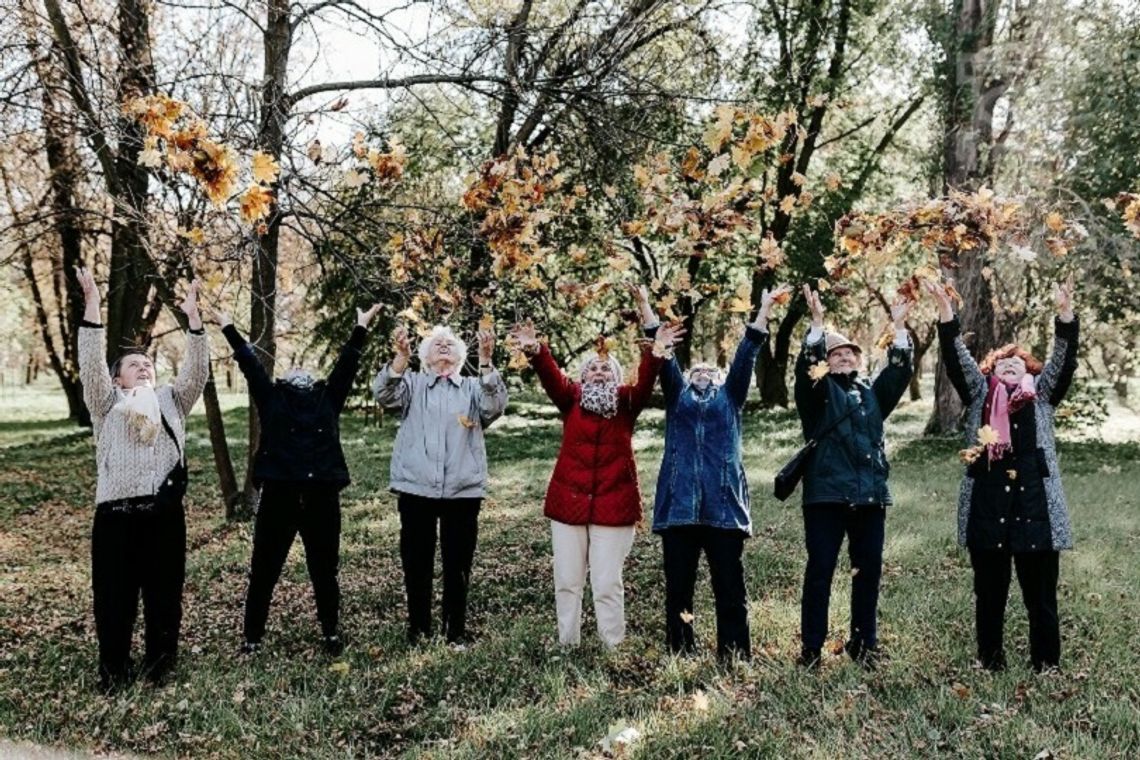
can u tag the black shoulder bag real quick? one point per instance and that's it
(173, 488)
(792, 473)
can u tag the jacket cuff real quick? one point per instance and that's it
(948, 331)
(233, 337)
(755, 335)
(651, 330)
(1067, 330)
(91, 325)
(199, 331)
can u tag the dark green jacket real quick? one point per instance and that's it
(849, 466)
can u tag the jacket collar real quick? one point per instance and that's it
(433, 378)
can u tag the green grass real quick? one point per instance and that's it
(515, 693)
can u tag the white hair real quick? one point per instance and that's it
(438, 332)
(615, 366)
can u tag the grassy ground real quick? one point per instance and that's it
(514, 693)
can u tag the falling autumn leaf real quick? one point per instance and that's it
(264, 168)
(466, 421)
(987, 436)
(255, 203)
(314, 151)
(818, 371)
(686, 616)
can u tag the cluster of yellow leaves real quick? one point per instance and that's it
(177, 139)
(1129, 206)
(384, 167)
(511, 194)
(709, 198)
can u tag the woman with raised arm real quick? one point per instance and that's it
(301, 470)
(1011, 507)
(593, 500)
(702, 500)
(138, 541)
(845, 480)
(439, 466)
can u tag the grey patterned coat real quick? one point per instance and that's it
(985, 487)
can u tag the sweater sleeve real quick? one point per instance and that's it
(98, 390)
(492, 397)
(961, 369)
(194, 373)
(1057, 374)
(392, 391)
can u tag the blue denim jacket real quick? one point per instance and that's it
(702, 478)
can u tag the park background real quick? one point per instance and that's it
(471, 161)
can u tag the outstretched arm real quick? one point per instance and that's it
(259, 382)
(892, 382)
(809, 392)
(98, 390)
(195, 370)
(492, 389)
(653, 355)
(672, 381)
(961, 368)
(348, 361)
(756, 337)
(1057, 374)
(391, 388)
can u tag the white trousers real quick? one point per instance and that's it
(602, 549)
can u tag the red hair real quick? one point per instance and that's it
(1032, 365)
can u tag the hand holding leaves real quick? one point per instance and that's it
(941, 297)
(525, 337)
(768, 299)
(486, 347)
(899, 311)
(403, 348)
(815, 306)
(1063, 294)
(190, 306)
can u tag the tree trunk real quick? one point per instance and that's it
(277, 43)
(223, 462)
(970, 98)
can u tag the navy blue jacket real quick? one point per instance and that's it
(300, 427)
(849, 466)
(702, 480)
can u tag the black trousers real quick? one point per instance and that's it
(137, 549)
(1037, 576)
(458, 521)
(825, 525)
(723, 548)
(288, 508)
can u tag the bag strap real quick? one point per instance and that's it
(169, 432)
(834, 423)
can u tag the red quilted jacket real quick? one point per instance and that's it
(595, 477)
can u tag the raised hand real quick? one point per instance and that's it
(486, 340)
(223, 318)
(640, 295)
(1063, 295)
(941, 297)
(91, 297)
(524, 336)
(768, 299)
(670, 334)
(190, 306)
(363, 318)
(815, 306)
(403, 348)
(899, 311)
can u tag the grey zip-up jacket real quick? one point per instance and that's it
(439, 451)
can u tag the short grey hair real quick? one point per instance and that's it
(592, 357)
(442, 332)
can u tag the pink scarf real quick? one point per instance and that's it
(1001, 401)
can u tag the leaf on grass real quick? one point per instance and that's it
(700, 701)
(960, 690)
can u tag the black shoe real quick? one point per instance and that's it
(993, 663)
(867, 657)
(809, 659)
(333, 645)
(249, 648)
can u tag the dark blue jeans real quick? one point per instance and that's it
(825, 525)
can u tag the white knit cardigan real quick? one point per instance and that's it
(128, 467)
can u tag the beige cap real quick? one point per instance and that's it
(836, 340)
